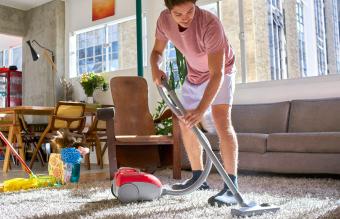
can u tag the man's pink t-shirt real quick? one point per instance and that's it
(205, 35)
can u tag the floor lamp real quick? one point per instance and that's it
(49, 56)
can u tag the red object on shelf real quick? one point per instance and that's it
(10, 88)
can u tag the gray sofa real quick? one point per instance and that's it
(299, 136)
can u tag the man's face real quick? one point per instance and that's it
(183, 14)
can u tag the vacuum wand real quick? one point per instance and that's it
(179, 110)
(247, 209)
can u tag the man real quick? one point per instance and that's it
(200, 37)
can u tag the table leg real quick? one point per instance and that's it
(8, 150)
(20, 144)
(99, 152)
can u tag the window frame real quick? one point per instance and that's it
(301, 37)
(320, 34)
(73, 57)
(336, 27)
(277, 40)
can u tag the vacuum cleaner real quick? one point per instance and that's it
(131, 185)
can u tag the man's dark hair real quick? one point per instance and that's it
(171, 3)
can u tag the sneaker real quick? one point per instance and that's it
(224, 198)
(189, 182)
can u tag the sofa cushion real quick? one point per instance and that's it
(322, 142)
(261, 118)
(247, 142)
(252, 142)
(321, 115)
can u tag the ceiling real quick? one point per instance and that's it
(23, 4)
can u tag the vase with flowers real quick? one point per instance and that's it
(72, 151)
(90, 82)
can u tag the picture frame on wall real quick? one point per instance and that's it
(102, 9)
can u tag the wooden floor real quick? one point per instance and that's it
(95, 174)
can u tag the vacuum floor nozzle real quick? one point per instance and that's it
(254, 210)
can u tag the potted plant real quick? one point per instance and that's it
(90, 82)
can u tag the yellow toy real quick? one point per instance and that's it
(16, 184)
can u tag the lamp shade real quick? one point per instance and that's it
(35, 55)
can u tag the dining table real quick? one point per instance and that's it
(12, 121)
(15, 128)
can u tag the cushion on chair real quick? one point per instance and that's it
(143, 139)
(261, 118)
(68, 111)
(322, 142)
(315, 115)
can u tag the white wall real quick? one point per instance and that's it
(81, 11)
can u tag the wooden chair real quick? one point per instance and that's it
(29, 139)
(131, 139)
(93, 137)
(67, 115)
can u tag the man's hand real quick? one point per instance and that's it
(155, 61)
(192, 117)
(157, 76)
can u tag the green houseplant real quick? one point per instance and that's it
(175, 80)
(92, 81)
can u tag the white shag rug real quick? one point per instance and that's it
(297, 197)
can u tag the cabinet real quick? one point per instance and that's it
(10, 88)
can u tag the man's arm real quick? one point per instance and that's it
(156, 58)
(215, 62)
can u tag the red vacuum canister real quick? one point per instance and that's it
(130, 184)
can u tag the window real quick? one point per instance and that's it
(105, 48)
(283, 39)
(276, 40)
(170, 57)
(6, 58)
(12, 56)
(320, 36)
(1, 59)
(114, 47)
(91, 51)
(336, 33)
(212, 7)
(301, 37)
(16, 57)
